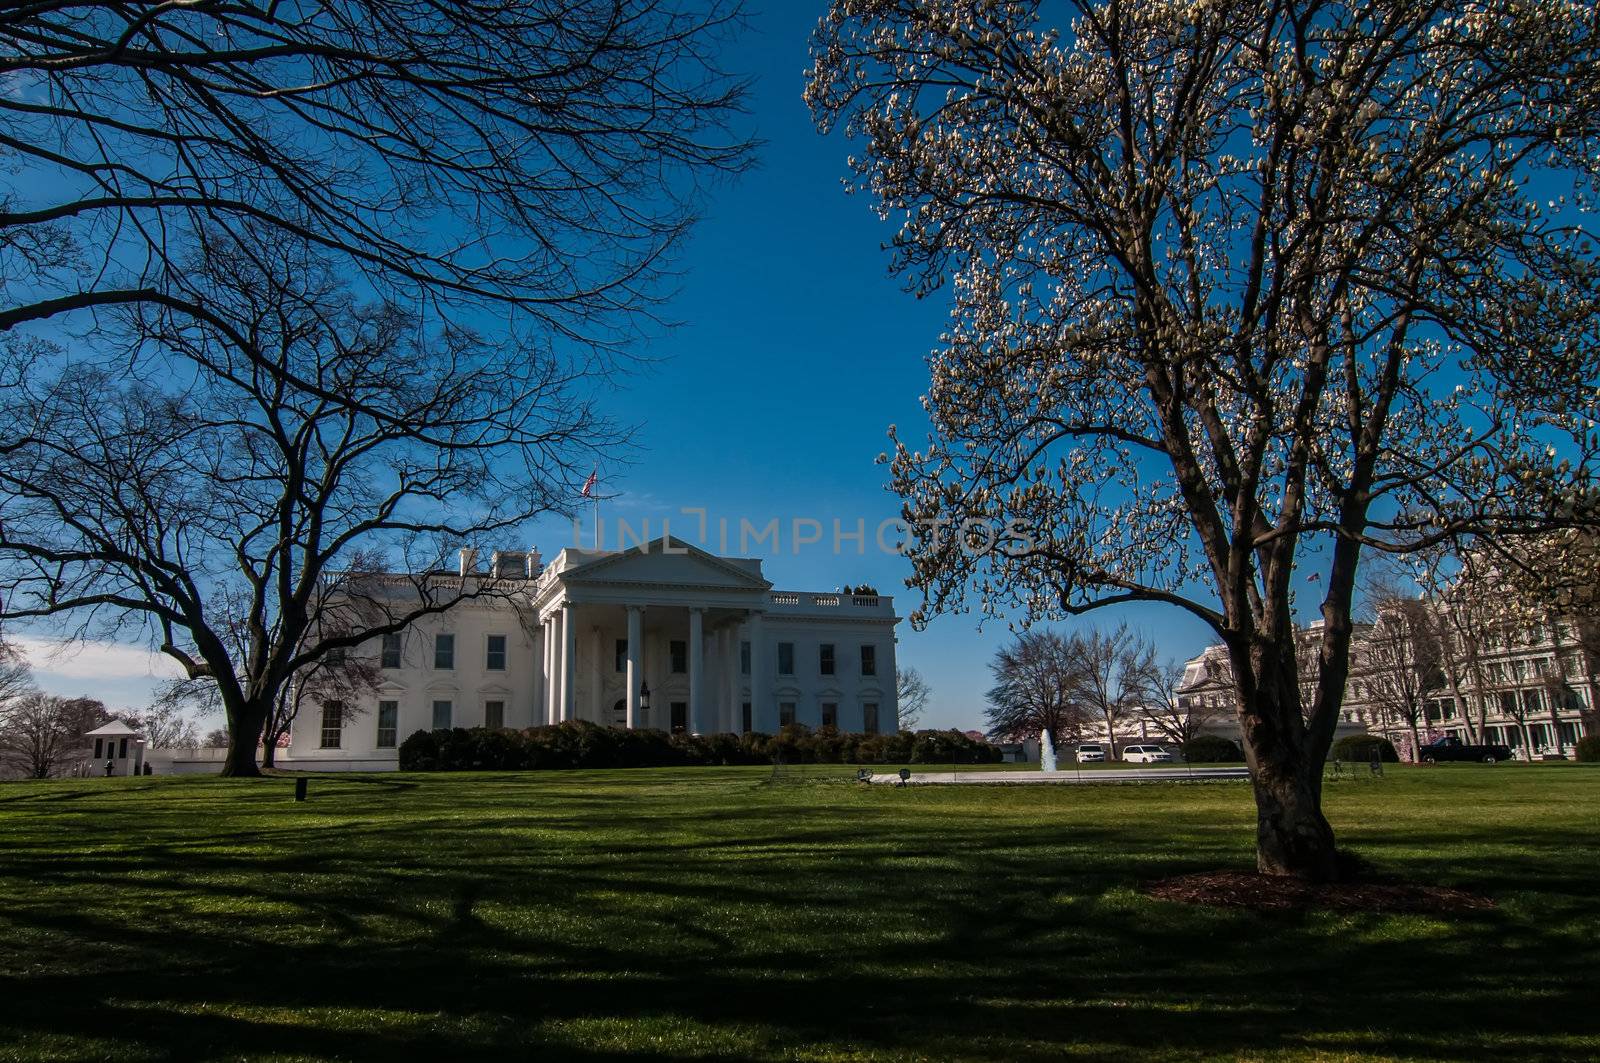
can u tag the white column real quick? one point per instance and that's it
(635, 670)
(552, 681)
(597, 701)
(730, 680)
(763, 717)
(535, 714)
(697, 668)
(724, 712)
(569, 659)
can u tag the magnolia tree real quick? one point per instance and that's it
(1239, 290)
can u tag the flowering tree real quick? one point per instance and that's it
(1238, 289)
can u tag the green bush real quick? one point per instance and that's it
(1212, 749)
(1587, 749)
(580, 744)
(1360, 748)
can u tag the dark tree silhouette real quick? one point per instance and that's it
(1038, 686)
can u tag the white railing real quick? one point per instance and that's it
(829, 601)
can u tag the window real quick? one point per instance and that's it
(444, 651)
(830, 714)
(744, 660)
(680, 656)
(391, 650)
(785, 713)
(825, 658)
(441, 715)
(786, 658)
(494, 715)
(680, 717)
(622, 655)
(745, 714)
(332, 723)
(122, 750)
(335, 657)
(388, 724)
(100, 744)
(494, 658)
(869, 717)
(869, 660)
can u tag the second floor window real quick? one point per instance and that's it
(786, 658)
(869, 660)
(444, 651)
(495, 656)
(622, 655)
(680, 656)
(744, 661)
(825, 658)
(391, 650)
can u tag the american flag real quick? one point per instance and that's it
(588, 485)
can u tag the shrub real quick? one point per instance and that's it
(1362, 747)
(420, 752)
(1212, 749)
(580, 744)
(1587, 749)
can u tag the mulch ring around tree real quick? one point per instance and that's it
(1247, 889)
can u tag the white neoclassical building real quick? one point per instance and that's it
(663, 635)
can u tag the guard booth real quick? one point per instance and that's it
(120, 745)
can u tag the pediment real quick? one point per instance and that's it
(666, 564)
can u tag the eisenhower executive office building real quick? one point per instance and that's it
(662, 635)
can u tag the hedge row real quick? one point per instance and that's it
(1587, 748)
(1212, 749)
(580, 744)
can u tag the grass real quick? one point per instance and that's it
(686, 914)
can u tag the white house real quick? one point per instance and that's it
(662, 635)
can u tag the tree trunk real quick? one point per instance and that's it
(1292, 835)
(245, 723)
(1416, 743)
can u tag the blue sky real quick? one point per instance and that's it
(773, 398)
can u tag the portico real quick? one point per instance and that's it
(666, 618)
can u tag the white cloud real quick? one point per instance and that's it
(87, 659)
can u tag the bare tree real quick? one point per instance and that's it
(164, 726)
(16, 678)
(1238, 289)
(247, 524)
(1115, 666)
(912, 694)
(542, 156)
(1399, 662)
(1038, 682)
(38, 733)
(1175, 717)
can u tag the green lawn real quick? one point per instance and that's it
(676, 914)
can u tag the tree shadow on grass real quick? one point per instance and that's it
(745, 926)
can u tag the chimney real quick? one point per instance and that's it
(535, 562)
(508, 564)
(469, 561)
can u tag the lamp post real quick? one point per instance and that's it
(644, 701)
